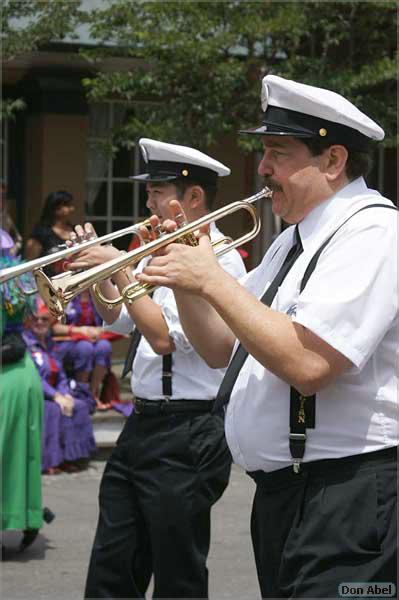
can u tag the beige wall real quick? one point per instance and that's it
(237, 186)
(33, 172)
(56, 159)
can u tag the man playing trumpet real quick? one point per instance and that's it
(311, 393)
(171, 463)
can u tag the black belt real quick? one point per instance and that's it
(168, 407)
(323, 467)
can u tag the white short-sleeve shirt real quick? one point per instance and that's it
(191, 376)
(351, 302)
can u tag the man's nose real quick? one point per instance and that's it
(264, 167)
(149, 203)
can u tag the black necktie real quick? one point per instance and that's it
(239, 358)
(131, 353)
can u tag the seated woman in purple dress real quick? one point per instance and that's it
(86, 350)
(67, 428)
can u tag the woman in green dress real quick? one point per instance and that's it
(21, 414)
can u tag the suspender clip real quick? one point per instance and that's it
(297, 449)
(296, 466)
(298, 437)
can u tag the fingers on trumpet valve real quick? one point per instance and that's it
(156, 228)
(81, 234)
(180, 219)
(90, 232)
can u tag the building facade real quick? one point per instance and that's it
(57, 143)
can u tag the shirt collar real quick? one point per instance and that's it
(332, 210)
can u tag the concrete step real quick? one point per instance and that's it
(107, 425)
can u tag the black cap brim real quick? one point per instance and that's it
(284, 122)
(149, 178)
(269, 130)
(164, 171)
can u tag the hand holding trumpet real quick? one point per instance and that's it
(179, 266)
(92, 256)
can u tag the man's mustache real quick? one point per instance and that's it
(272, 185)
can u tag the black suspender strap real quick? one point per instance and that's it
(135, 339)
(302, 417)
(131, 353)
(303, 408)
(167, 361)
(240, 356)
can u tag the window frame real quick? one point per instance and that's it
(110, 217)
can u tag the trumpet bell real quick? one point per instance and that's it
(52, 297)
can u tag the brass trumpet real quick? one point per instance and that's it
(44, 261)
(61, 289)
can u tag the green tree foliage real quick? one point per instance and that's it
(200, 63)
(28, 25)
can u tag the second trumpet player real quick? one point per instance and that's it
(171, 463)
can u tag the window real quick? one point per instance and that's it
(113, 201)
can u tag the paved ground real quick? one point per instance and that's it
(54, 566)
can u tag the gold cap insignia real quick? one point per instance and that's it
(323, 132)
(184, 172)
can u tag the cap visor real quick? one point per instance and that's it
(147, 177)
(267, 130)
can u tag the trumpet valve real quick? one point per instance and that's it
(189, 239)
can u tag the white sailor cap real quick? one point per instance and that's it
(305, 111)
(167, 162)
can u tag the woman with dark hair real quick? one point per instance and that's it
(53, 228)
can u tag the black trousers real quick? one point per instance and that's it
(155, 501)
(333, 523)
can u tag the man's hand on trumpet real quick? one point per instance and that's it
(179, 266)
(91, 257)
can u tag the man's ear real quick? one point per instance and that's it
(195, 196)
(336, 158)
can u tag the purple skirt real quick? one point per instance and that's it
(66, 438)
